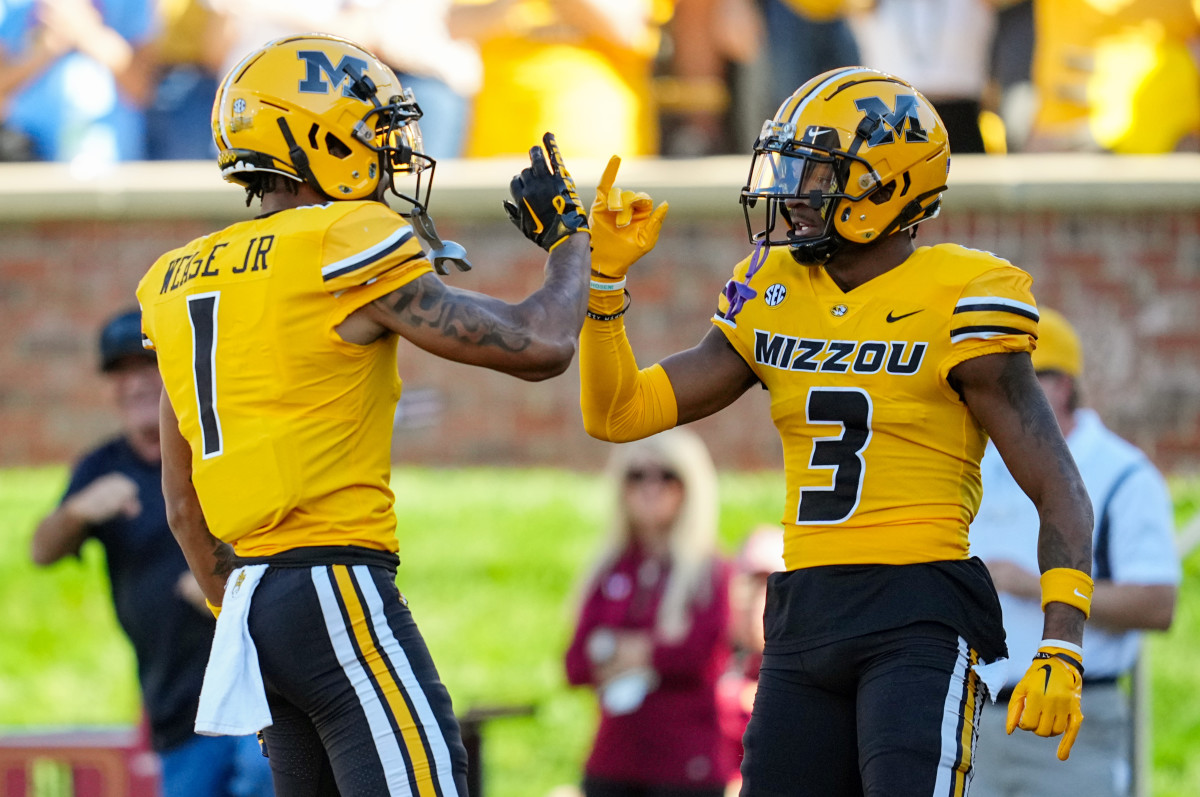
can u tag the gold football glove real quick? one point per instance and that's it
(1047, 699)
(545, 205)
(625, 225)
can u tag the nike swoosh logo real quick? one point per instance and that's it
(1046, 668)
(538, 229)
(1080, 594)
(894, 318)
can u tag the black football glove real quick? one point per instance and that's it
(545, 205)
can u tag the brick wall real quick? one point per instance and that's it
(1117, 251)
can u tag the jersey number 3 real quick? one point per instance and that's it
(202, 315)
(849, 407)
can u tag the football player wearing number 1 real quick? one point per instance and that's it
(888, 367)
(276, 340)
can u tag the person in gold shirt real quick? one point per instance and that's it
(888, 367)
(601, 53)
(276, 340)
(1117, 75)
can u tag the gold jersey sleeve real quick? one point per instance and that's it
(881, 454)
(290, 426)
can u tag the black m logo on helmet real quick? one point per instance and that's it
(903, 120)
(318, 67)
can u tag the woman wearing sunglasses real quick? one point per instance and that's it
(651, 636)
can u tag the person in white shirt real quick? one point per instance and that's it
(1136, 571)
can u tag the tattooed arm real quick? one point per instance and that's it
(533, 339)
(1003, 393)
(210, 560)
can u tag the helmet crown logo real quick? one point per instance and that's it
(903, 120)
(318, 67)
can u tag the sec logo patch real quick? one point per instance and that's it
(775, 295)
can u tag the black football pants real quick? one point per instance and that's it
(357, 705)
(889, 714)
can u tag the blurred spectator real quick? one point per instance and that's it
(243, 26)
(178, 116)
(651, 638)
(941, 46)
(804, 39)
(761, 555)
(581, 68)
(1011, 95)
(115, 496)
(1136, 571)
(75, 76)
(443, 69)
(710, 42)
(1121, 76)
(413, 37)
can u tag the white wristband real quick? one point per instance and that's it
(608, 286)
(1062, 643)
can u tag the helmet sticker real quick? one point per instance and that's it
(318, 66)
(894, 122)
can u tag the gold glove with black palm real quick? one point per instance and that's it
(545, 205)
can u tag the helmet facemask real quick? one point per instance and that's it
(392, 131)
(810, 173)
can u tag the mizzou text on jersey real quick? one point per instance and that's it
(860, 395)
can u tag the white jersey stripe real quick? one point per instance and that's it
(966, 301)
(398, 661)
(369, 255)
(386, 744)
(983, 335)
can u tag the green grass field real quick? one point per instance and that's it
(490, 560)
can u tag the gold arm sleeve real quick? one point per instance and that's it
(620, 402)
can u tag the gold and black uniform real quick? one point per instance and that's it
(290, 430)
(882, 464)
(285, 419)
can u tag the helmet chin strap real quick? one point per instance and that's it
(299, 157)
(817, 252)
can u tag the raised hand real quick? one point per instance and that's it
(545, 205)
(624, 224)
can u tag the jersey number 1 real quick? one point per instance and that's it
(202, 315)
(850, 407)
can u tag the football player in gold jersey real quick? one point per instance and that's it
(276, 340)
(888, 367)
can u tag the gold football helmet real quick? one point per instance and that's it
(321, 110)
(859, 154)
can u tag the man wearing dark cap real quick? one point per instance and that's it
(115, 496)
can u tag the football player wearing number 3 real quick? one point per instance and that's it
(276, 340)
(888, 366)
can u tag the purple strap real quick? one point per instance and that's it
(738, 293)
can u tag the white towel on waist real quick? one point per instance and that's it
(233, 700)
(993, 674)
